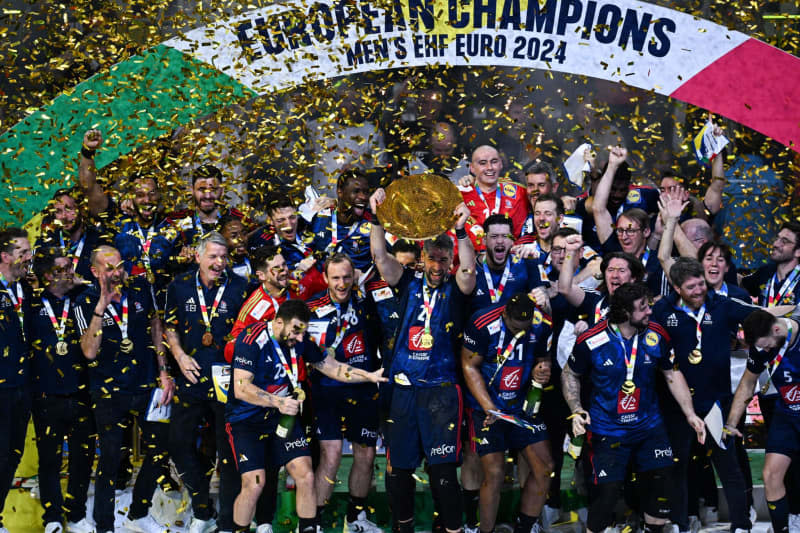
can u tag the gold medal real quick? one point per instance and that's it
(426, 341)
(299, 394)
(62, 348)
(628, 387)
(151, 278)
(208, 339)
(695, 357)
(126, 346)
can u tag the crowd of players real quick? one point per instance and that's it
(538, 319)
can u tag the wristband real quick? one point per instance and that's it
(461, 233)
(87, 153)
(96, 314)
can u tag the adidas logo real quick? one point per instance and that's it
(394, 315)
(602, 474)
(242, 458)
(608, 362)
(479, 293)
(190, 301)
(484, 442)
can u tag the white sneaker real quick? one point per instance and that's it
(550, 515)
(694, 524)
(53, 527)
(202, 526)
(794, 522)
(753, 516)
(708, 515)
(361, 525)
(146, 524)
(264, 528)
(83, 526)
(468, 529)
(3, 530)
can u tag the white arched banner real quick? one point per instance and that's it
(640, 44)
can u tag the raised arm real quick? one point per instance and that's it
(571, 291)
(713, 196)
(390, 268)
(680, 391)
(87, 173)
(346, 373)
(670, 211)
(465, 277)
(602, 218)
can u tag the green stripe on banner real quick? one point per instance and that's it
(133, 102)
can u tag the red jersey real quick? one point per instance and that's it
(258, 307)
(512, 198)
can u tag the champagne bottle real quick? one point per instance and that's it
(575, 446)
(286, 422)
(533, 401)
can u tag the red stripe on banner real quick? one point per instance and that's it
(755, 84)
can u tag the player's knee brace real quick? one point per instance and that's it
(655, 493)
(601, 511)
(400, 486)
(444, 480)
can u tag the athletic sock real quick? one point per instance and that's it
(779, 514)
(525, 523)
(354, 508)
(471, 500)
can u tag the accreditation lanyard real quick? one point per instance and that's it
(504, 353)
(778, 358)
(630, 362)
(76, 254)
(496, 294)
(202, 300)
(497, 197)
(298, 244)
(16, 300)
(122, 323)
(146, 241)
(790, 281)
(292, 371)
(645, 256)
(698, 318)
(342, 324)
(61, 326)
(335, 231)
(723, 290)
(429, 302)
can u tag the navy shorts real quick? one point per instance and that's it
(784, 433)
(610, 456)
(256, 446)
(424, 423)
(501, 436)
(346, 412)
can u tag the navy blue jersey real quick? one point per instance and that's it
(189, 228)
(412, 362)
(786, 376)
(593, 308)
(353, 241)
(507, 384)
(14, 350)
(764, 281)
(386, 306)
(348, 328)
(81, 250)
(183, 315)
(51, 372)
(255, 352)
(113, 370)
(732, 291)
(654, 276)
(523, 275)
(599, 353)
(709, 380)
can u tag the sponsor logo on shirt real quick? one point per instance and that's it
(370, 434)
(415, 339)
(442, 450)
(628, 403)
(494, 327)
(190, 306)
(242, 361)
(598, 340)
(672, 321)
(791, 394)
(651, 339)
(354, 344)
(300, 443)
(510, 379)
(382, 294)
(662, 453)
(138, 307)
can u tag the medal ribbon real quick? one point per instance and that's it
(778, 358)
(698, 318)
(341, 326)
(291, 372)
(630, 362)
(17, 300)
(58, 327)
(122, 323)
(645, 256)
(146, 242)
(598, 310)
(78, 250)
(335, 232)
(202, 300)
(501, 358)
(789, 282)
(497, 196)
(426, 302)
(496, 294)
